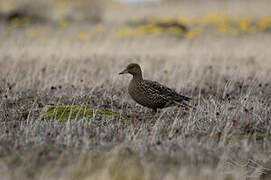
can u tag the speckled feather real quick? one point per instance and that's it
(151, 93)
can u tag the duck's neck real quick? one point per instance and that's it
(137, 77)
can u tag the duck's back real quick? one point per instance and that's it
(148, 93)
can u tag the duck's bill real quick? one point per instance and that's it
(124, 71)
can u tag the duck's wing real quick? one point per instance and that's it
(163, 91)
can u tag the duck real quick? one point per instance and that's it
(152, 94)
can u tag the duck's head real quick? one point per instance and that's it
(133, 69)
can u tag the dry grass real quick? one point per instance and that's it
(226, 137)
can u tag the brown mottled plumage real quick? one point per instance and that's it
(150, 93)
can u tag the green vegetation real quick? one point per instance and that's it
(64, 113)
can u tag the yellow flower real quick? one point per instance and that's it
(244, 24)
(264, 23)
(82, 36)
(123, 32)
(214, 18)
(182, 20)
(192, 34)
(175, 31)
(165, 70)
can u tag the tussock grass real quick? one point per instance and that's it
(227, 136)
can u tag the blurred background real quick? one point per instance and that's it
(88, 20)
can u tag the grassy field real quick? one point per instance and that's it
(66, 113)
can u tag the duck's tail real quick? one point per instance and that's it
(183, 101)
(184, 98)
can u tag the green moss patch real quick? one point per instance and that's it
(64, 112)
